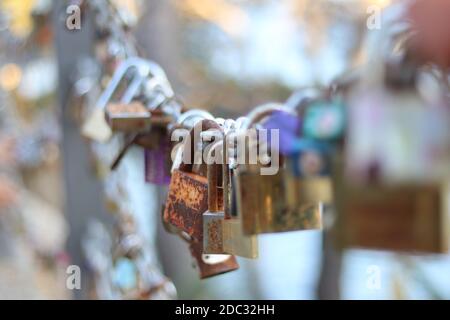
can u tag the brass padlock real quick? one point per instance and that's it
(313, 134)
(261, 198)
(391, 176)
(234, 240)
(185, 205)
(397, 217)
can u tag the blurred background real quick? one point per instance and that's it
(225, 56)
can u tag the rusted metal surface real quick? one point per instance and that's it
(186, 202)
(207, 269)
(213, 234)
(131, 117)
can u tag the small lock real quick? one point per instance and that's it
(324, 119)
(213, 218)
(307, 178)
(261, 198)
(186, 203)
(409, 218)
(211, 265)
(132, 117)
(222, 231)
(234, 240)
(95, 126)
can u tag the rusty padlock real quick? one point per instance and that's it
(213, 218)
(187, 201)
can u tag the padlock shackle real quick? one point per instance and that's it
(192, 114)
(144, 68)
(301, 98)
(265, 110)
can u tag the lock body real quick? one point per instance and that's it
(261, 204)
(309, 189)
(208, 268)
(213, 232)
(236, 242)
(186, 202)
(410, 218)
(127, 117)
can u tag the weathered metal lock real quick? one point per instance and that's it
(261, 198)
(211, 265)
(402, 217)
(132, 117)
(222, 232)
(388, 197)
(96, 127)
(213, 218)
(146, 126)
(234, 240)
(186, 203)
(188, 191)
(309, 147)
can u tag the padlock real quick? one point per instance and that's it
(398, 132)
(150, 130)
(222, 232)
(234, 240)
(412, 218)
(136, 73)
(157, 164)
(132, 117)
(391, 177)
(187, 201)
(307, 151)
(213, 218)
(188, 191)
(95, 126)
(211, 265)
(261, 198)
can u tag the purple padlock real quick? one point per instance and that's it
(157, 166)
(289, 127)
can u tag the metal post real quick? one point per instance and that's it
(83, 191)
